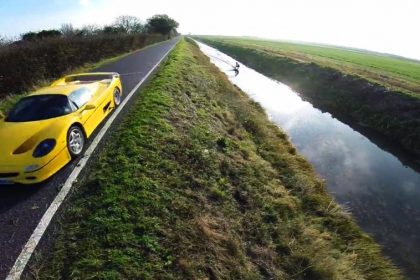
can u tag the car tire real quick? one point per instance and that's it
(117, 97)
(76, 141)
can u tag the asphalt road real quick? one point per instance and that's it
(21, 207)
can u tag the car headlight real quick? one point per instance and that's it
(31, 168)
(44, 148)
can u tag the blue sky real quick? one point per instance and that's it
(19, 16)
(380, 25)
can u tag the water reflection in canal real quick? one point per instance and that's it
(382, 193)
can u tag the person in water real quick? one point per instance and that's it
(236, 69)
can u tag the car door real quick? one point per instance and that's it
(101, 100)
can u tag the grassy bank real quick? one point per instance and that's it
(342, 82)
(196, 183)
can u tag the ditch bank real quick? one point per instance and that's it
(393, 114)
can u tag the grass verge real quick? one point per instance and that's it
(196, 183)
(347, 95)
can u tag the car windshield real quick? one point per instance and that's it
(39, 107)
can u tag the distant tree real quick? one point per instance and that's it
(162, 24)
(81, 33)
(67, 30)
(29, 36)
(138, 28)
(129, 24)
(48, 34)
(89, 30)
(3, 41)
(33, 36)
(111, 29)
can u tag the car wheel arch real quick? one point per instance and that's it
(81, 128)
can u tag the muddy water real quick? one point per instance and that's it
(382, 193)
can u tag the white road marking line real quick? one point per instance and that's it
(27, 251)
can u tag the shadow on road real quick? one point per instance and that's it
(10, 195)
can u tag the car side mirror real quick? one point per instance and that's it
(89, 107)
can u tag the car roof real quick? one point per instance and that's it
(65, 89)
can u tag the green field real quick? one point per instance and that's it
(393, 72)
(197, 183)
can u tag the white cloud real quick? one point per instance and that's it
(85, 3)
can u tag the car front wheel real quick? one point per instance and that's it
(75, 141)
(117, 97)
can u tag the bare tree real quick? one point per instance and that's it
(3, 41)
(90, 30)
(129, 24)
(67, 30)
(8, 40)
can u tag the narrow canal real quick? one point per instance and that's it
(375, 186)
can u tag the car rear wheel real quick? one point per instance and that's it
(75, 141)
(117, 97)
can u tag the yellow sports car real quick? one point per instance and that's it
(49, 127)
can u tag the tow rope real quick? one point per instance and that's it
(235, 67)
